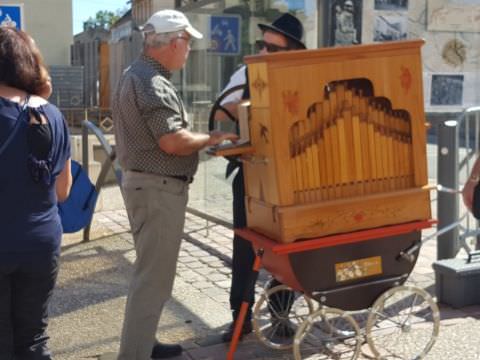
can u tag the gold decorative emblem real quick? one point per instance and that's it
(359, 268)
(454, 52)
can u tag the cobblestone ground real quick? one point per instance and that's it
(96, 274)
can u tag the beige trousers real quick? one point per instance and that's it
(156, 209)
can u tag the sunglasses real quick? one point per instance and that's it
(271, 48)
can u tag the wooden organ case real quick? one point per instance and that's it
(339, 140)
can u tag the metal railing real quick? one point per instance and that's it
(110, 162)
(458, 148)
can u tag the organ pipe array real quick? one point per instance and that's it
(338, 140)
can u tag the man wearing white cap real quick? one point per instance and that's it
(159, 157)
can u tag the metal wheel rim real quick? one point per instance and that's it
(378, 309)
(323, 314)
(258, 325)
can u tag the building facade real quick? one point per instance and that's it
(90, 50)
(451, 38)
(49, 22)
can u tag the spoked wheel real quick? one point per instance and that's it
(328, 333)
(403, 324)
(277, 315)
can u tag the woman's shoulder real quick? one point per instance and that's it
(40, 103)
(36, 101)
(53, 114)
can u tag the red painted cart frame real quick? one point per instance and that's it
(262, 243)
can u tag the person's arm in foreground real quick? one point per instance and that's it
(64, 182)
(470, 184)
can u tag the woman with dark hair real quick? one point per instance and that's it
(34, 176)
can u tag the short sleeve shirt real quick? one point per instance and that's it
(238, 78)
(146, 106)
(29, 217)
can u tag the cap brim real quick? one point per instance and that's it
(194, 32)
(265, 27)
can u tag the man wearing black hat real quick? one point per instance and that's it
(284, 34)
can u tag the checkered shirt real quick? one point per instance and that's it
(147, 106)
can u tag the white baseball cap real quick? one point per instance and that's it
(165, 21)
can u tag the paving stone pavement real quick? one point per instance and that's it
(88, 305)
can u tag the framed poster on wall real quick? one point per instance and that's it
(446, 89)
(344, 21)
(390, 27)
(391, 5)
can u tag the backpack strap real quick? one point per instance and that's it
(16, 127)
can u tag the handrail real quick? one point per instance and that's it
(110, 162)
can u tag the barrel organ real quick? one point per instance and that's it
(339, 140)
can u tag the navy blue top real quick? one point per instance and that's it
(29, 220)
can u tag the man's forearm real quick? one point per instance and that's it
(183, 142)
(195, 142)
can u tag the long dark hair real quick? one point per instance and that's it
(21, 63)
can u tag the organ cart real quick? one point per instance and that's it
(336, 198)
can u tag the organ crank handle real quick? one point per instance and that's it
(217, 106)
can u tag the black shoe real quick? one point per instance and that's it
(246, 329)
(282, 328)
(165, 351)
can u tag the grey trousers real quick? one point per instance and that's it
(156, 209)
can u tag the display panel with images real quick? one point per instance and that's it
(345, 22)
(390, 27)
(391, 5)
(446, 90)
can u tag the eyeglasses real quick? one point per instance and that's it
(271, 48)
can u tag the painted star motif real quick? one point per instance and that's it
(259, 85)
(291, 101)
(406, 78)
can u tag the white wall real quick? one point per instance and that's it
(49, 22)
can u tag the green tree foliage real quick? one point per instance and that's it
(103, 19)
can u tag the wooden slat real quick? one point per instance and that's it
(313, 139)
(305, 163)
(299, 182)
(358, 154)
(320, 139)
(360, 110)
(334, 142)
(293, 154)
(329, 156)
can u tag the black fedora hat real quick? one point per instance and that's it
(287, 25)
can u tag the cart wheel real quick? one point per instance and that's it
(277, 315)
(328, 333)
(403, 324)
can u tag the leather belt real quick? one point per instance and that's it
(183, 178)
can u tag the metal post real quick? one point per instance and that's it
(447, 206)
(85, 159)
